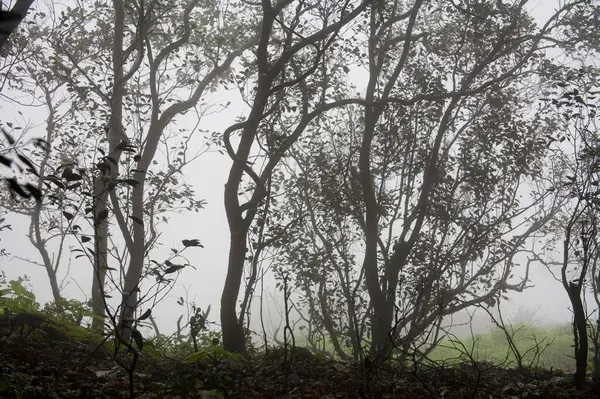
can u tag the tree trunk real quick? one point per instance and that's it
(579, 334)
(10, 20)
(35, 232)
(100, 256)
(40, 244)
(115, 133)
(597, 350)
(381, 319)
(135, 269)
(233, 331)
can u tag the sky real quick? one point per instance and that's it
(546, 300)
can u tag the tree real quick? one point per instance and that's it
(427, 176)
(287, 95)
(130, 74)
(571, 103)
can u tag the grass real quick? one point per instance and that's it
(546, 347)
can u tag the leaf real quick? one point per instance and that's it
(72, 177)
(56, 181)
(125, 146)
(41, 143)
(131, 182)
(5, 161)
(9, 138)
(37, 194)
(173, 268)
(194, 357)
(91, 251)
(68, 215)
(137, 337)
(85, 238)
(14, 186)
(192, 243)
(111, 186)
(137, 219)
(146, 314)
(27, 162)
(101, 217)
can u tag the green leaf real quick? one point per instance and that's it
(139, 340)
(194, 357)
(85, 238)
(67, 215)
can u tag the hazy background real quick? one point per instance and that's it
(544, 303)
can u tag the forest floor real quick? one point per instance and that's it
(38, 360)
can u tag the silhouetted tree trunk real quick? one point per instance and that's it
(579, 334)
(10, 20)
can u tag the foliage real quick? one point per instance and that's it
(411, 206)
(15, 297)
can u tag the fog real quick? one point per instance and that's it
(543, 303)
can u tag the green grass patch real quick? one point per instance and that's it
(547, 347)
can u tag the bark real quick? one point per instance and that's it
(596, 342)
(574, 289)
(579, 334)
(10, 20)
(40, 245)
(115, 136)
(233, 331)
(100, 256)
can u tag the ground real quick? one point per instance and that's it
(40, 359)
